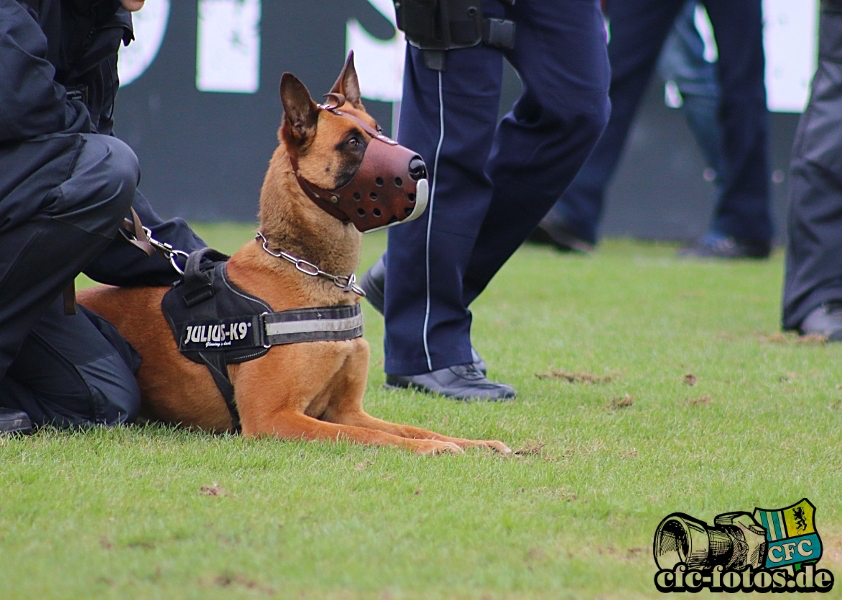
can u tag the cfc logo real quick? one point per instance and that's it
(769, 550)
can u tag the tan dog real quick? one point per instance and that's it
(312, 390)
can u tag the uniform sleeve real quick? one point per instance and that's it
(31, 102)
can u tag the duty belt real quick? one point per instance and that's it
(435, 26)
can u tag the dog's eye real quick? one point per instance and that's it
(379, 129)
(354, 141)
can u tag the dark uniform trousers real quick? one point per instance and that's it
(75, 370)
(638, 31)
(490, 184)
(814, 246)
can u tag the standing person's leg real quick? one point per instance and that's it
(743, 212)
(40, 256)
(683, 63)
(448, 118)
(540, 145)
(73, 371)
(638, 30)
(812, 297)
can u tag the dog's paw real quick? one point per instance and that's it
(436, 447)
(497, 447)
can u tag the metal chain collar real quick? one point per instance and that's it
(348, 283)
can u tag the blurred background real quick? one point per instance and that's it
(199, 104)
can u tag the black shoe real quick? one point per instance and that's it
(715, 245)
(462, 382)
(14, 421)
(825, 320)
(373, 283)
(555, 232)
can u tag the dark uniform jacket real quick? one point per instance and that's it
(58, 79)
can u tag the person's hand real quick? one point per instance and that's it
(132, 5)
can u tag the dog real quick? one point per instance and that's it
(309, 390)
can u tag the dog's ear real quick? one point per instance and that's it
(301, 114)
(348, 85)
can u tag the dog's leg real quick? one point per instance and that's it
(348, 410)
(277, 395)
(295, 426)
(363, 419)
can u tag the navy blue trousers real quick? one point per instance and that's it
(814, 245)
(490, 184)
(638, 31)
(74, 370)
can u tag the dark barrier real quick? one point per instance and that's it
(205, 131)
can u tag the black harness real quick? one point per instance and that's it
(216, 324)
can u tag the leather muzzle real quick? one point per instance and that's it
(389, 187)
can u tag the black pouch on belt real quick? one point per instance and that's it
(435, 26)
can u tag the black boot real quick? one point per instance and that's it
(461, 382)
(14, 421)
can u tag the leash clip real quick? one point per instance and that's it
(167, 250)
(139, 235)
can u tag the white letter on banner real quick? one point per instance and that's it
(790, 40)
(228, 46)
(150, 24)
(379, 63)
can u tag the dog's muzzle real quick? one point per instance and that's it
(389, 187)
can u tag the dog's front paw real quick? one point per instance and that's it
(436, 447)
(497, 446)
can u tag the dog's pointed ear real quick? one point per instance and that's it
(348, 85)
(301, 114)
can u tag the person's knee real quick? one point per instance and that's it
(594, 122)
(584, 119)
(115, 395)
(123, 173)
(102, 187)
(120, 407)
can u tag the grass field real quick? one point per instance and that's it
(685, 397)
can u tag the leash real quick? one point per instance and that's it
(348, 283)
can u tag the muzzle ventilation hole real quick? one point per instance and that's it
(361, 212)
(379, 182)
(407, 212)
(410, 197)
(357, 196)
(377, 212)
(373, 196)
(398, 181)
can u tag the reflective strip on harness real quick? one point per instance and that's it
(333, 323)
(327, 324)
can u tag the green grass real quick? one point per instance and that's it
(154, 512)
